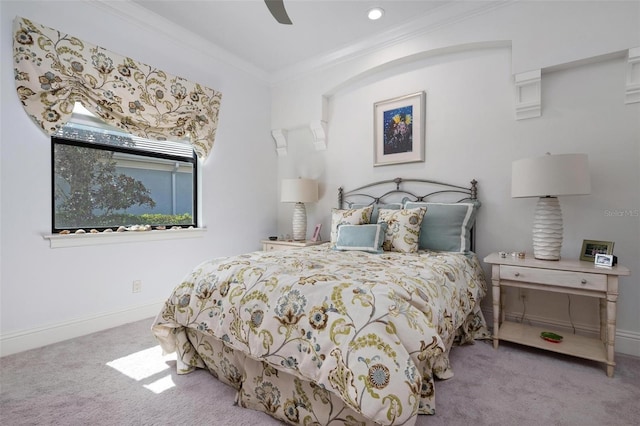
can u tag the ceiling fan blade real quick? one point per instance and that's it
(276, 7)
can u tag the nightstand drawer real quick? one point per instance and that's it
(553, 277)
(275, 247)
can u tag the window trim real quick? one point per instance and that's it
(96, 145)
(88, 239)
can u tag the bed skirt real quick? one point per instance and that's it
(283, 395)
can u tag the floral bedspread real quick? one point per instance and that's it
(373, 329)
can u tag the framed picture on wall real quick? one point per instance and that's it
(399, 129)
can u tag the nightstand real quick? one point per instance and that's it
(562, 276)
(268, 245)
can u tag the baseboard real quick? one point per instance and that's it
(11, 343)
(627, 342)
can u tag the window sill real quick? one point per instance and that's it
(79, 240)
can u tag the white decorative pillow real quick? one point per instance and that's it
(348, 217)
(403, 229)
(368, 237)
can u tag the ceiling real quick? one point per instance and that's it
(322, 29)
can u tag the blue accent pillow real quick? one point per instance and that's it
(446, 226)
(377, 207)
(367, 238)
(349, 217)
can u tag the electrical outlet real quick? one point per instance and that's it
(137, 286)
(523, 295)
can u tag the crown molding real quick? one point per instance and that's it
(447, 14)
(144, 18)
(437, 18)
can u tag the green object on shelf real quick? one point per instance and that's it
(551, 337)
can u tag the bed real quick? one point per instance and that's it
(354, 331)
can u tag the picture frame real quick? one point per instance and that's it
(399, 129)
(316, 233)
(604, 260)
(592, 247)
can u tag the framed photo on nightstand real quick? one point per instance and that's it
(605, 260)
(590, 248)
(316, 233)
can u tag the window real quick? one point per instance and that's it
(103, 178)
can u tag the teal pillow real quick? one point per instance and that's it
(446, 226)
(367, 238)
(377, 207)
(349, 217)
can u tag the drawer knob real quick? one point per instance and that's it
(583, 281)
(517, 274)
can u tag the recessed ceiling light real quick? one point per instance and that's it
(375, 13)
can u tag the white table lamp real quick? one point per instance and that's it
(548, 177)
(299, 191)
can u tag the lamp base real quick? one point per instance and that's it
(299, 222)
(547, 229)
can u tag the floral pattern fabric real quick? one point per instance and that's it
(339, 217)
(368, 330)
(403, 229)
(54, 70)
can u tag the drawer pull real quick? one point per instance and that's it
(584, 281)
(517, 274)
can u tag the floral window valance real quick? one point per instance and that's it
(54, 70)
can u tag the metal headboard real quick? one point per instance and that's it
(399, 189)
(470, 193)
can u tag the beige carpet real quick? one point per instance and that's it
(118, 377)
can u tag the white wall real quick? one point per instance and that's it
(48, 294)
(467, 70)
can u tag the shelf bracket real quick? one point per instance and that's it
(280, 137)
(528, 94)
(632, 87)
(319, 131)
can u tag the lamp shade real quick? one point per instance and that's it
(299, 191)
(551, 175)
(548, 177)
